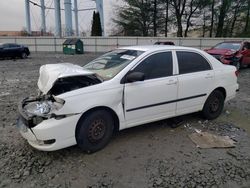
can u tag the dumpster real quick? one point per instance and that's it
(73, 46)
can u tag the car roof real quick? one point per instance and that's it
(157, 47)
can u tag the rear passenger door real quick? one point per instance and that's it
(195, 81)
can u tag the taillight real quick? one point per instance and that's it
(237, 73)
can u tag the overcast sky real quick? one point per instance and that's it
(12, 14)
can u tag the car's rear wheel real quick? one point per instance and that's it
(213, 105)
(94, 131)
(24, 55)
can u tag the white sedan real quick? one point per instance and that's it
(124, 88)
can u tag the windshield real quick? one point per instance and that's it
(231, 46)
(110, 64)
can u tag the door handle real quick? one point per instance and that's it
(172, 82)
(208, 76)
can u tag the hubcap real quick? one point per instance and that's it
(214, 106)
(97, 130)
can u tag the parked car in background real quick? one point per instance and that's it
(12, 50)
(235, 53)
(164, 43)
(124, 88)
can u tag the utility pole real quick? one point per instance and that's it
(58, 29)
(27, 10)
(68, 18)
(43, 25)
(76, 18)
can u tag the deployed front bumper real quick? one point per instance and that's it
(47, 134)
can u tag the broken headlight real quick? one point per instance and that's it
(43, 108)
(39, 108)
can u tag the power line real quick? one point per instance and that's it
(50, 8)
(36, 4)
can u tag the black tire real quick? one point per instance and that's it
(24, 55)
(213, 105)
(94, 131)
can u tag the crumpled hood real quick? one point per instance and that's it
(51, 72)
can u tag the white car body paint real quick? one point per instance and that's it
(124, 99)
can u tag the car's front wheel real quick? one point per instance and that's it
(94, 131)
(213, 105)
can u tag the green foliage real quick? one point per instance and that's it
(96, 29)
(136, 18)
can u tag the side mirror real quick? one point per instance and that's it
(135, 76)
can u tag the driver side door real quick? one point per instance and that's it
(155, 97)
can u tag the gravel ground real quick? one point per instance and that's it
(152, 155)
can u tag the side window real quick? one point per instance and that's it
(12, 45)
(191, 62)
(156, 66)
(6, 45)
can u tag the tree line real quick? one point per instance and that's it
(212, 18)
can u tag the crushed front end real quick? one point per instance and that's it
(41, 127)
(44, 120)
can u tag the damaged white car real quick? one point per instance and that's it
(121, 89)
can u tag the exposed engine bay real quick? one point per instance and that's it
(63, 85)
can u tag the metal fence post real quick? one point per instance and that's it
(95, 45)
(35, 45)
(55, 43)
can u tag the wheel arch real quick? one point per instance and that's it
(111, 111)
(222, 90)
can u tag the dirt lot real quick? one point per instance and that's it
(152, 155)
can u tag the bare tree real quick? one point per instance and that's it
(225, 4)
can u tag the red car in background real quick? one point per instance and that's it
(235, 53)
